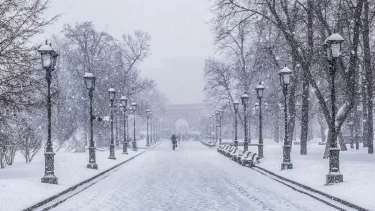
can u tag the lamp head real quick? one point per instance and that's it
(245, 99)
(112, 94)
(259, 89)
(333, 46)
(235, 105)
(89, 80)
(124, 100)
(46, 53)
(284, 75)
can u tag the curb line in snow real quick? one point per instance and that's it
(153, 146)
(35, 206)
(336, 199)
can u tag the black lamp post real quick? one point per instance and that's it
(112, 95)
(260, 89)
(48, 57)
(128, 111)
(148, 113)
(134, 108)
(280, 121)
(153, 123)
(217, 119)
(284, 75)
(116, 118)
(357, 126)
(220, 124)
(121, 109)
(124, 103)
(235, 105)
(351, 128)
(245, 101)
(156, 128)
(152, 127)
(209, 130)
(90, 85)
(156, 119)
(333, 51)
(213, 128)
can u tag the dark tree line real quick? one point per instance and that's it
(257, 38)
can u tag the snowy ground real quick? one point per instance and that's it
(20, 183)
(193, 177)
(357, 166)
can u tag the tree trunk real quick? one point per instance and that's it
(323, 127)
(310, 135)
(369, 77)
(292, 107)
(276, 127)
(364, 113)
(305, 114)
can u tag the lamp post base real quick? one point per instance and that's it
(112, 152)
(112, 157)
(49, 175)
(260, 151)
(134, 146)
(125, 148)
(51, 179)
(334, 177)
(92, 160)
(92, 166)
(286, 165)
(286, 158)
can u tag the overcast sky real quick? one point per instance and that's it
(181, 39)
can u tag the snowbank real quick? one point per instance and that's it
(21, 186)
(357, 166)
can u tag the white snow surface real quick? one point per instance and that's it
(193, 177)
(357, 167)
(21, 186)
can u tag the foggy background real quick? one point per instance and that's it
(180, 37)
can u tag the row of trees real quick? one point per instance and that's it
(21, 81)
(81, 48)
(114, 62)
(256, 39)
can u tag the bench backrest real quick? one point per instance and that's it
(248, 154)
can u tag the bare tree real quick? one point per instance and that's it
(287, 16)
(30, 144)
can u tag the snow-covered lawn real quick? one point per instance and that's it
(20, 183)
(357, 166)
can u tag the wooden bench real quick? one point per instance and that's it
(250, 160)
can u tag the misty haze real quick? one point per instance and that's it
(206, 105)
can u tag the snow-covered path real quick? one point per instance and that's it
(191, 178)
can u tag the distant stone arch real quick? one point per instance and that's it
(184, 117)
(181, 125)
